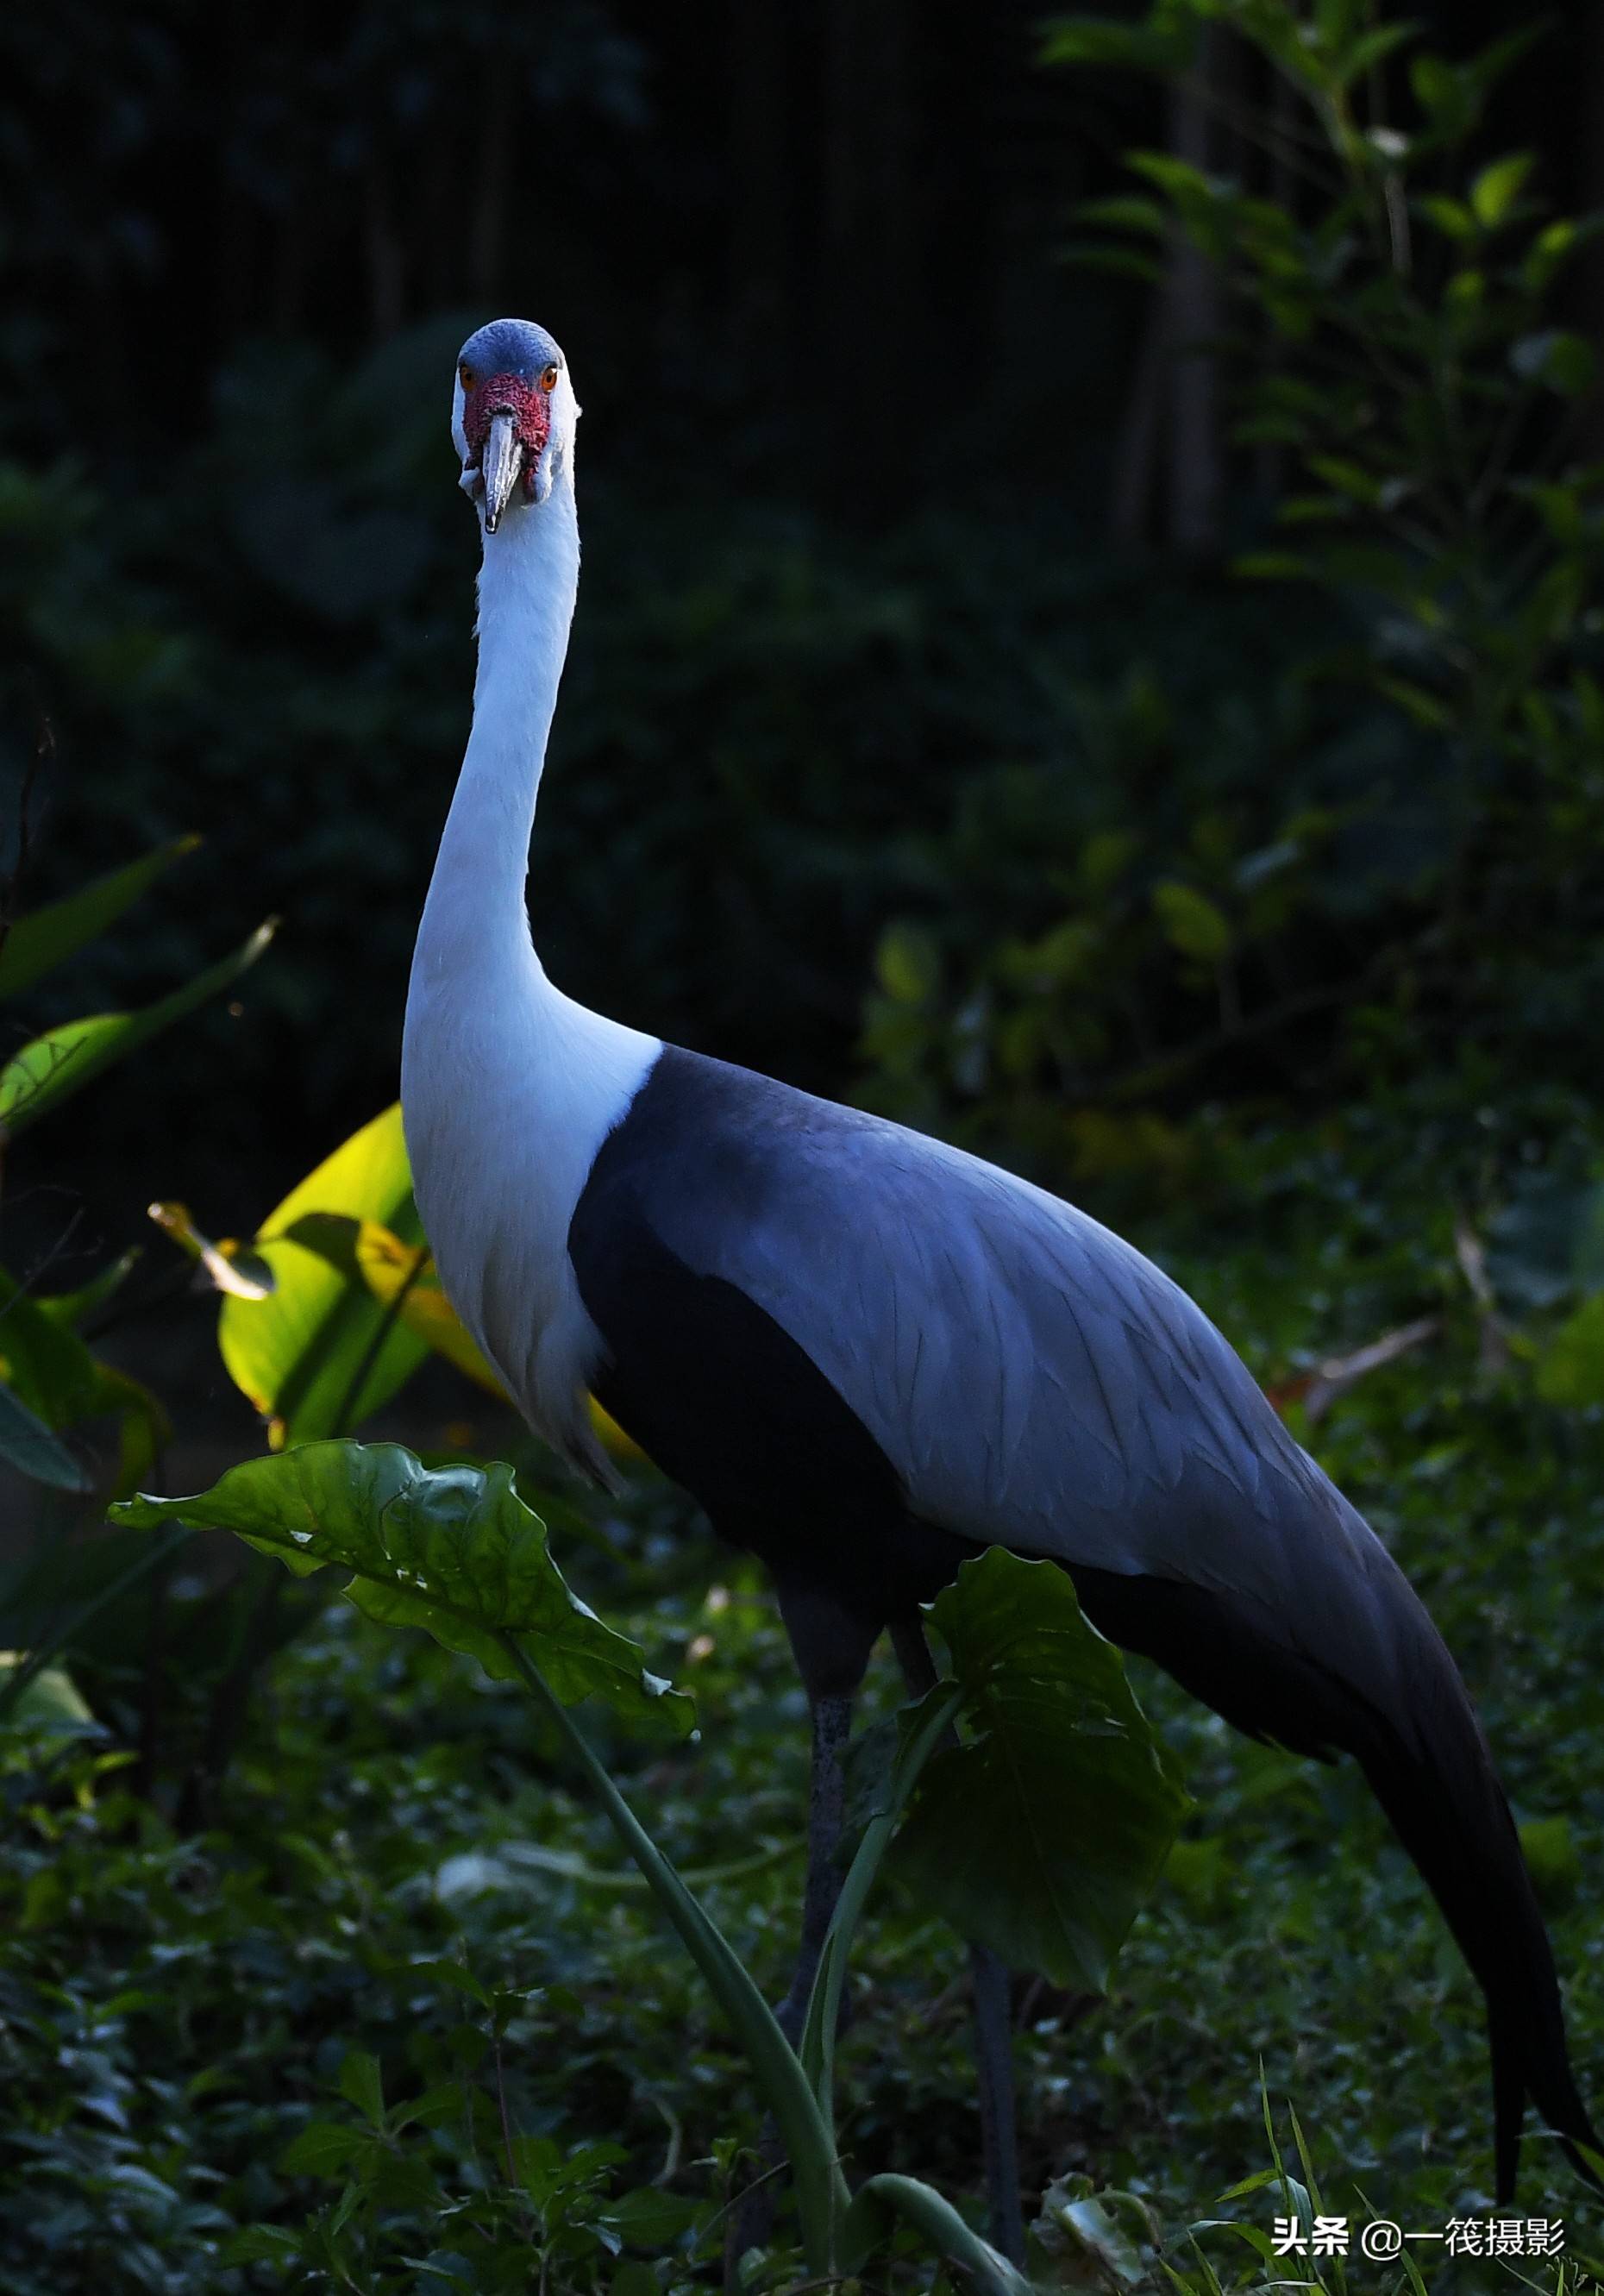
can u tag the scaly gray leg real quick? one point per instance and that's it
(826, 1811)
(994, 2044)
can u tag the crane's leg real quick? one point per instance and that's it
(832, 1642)
(826, 1811)
(999, 2137)
(994, 2043)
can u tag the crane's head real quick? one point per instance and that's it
(512, 416)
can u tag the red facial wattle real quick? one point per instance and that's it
(509, 394)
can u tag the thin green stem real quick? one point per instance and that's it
(822, 2195)
(369, 1354)
(933, 1718)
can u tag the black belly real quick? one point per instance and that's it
(728, 1406)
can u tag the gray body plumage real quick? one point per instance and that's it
(1031, 1379)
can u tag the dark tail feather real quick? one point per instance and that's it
(1385, 1689)
(1433, 1775)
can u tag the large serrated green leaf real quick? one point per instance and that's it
(453, 1550)
(1042, 1834)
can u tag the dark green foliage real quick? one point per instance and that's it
(1041, 1833)
(1394, 846)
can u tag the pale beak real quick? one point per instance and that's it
(500, 465)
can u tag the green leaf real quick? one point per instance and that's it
(1371, 48)
(1552, 246)
(1165, 46)
(144, 1430)
(446, 2101)
(50, 1701)
(322, 1351)
(35, 944)
(647, 2218)
(1494, 191)
(1126, 212)
(454, 1551)
(1350, 479)
(908, 964)
(64, 1059)
(72, 1308)
(1123, 262)
(323, 2149)
(1571, 1369)
(1200, 1871)
(361, 2084)
(881, 2200)
(1201, 199)
(1097, 2240)
(52, 1373)
(1274, 566)
(1440, 90)
(1451, 216)
(26, 1443)
(1043, 1834)
(261, 2244)
(1418, 702)
(44, 1362)
(368, 1250)
(1550, 1849)
(1562, 361)
(633, 2277)
(1191, 922)
(460, 1978)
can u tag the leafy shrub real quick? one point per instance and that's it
(1394, 851)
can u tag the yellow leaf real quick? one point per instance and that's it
(392, 1270)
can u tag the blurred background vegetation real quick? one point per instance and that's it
(906, 595)
(1101, 661)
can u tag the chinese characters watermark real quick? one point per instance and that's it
(1381, 2239)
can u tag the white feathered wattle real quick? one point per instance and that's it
(508, 1087)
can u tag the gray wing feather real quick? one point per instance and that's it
(1034, 1380)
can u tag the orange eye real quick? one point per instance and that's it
(548, 381)
(465, 375)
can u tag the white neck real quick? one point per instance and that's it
(508, 1087)
(527, 589)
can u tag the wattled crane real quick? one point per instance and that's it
(869, 1355)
